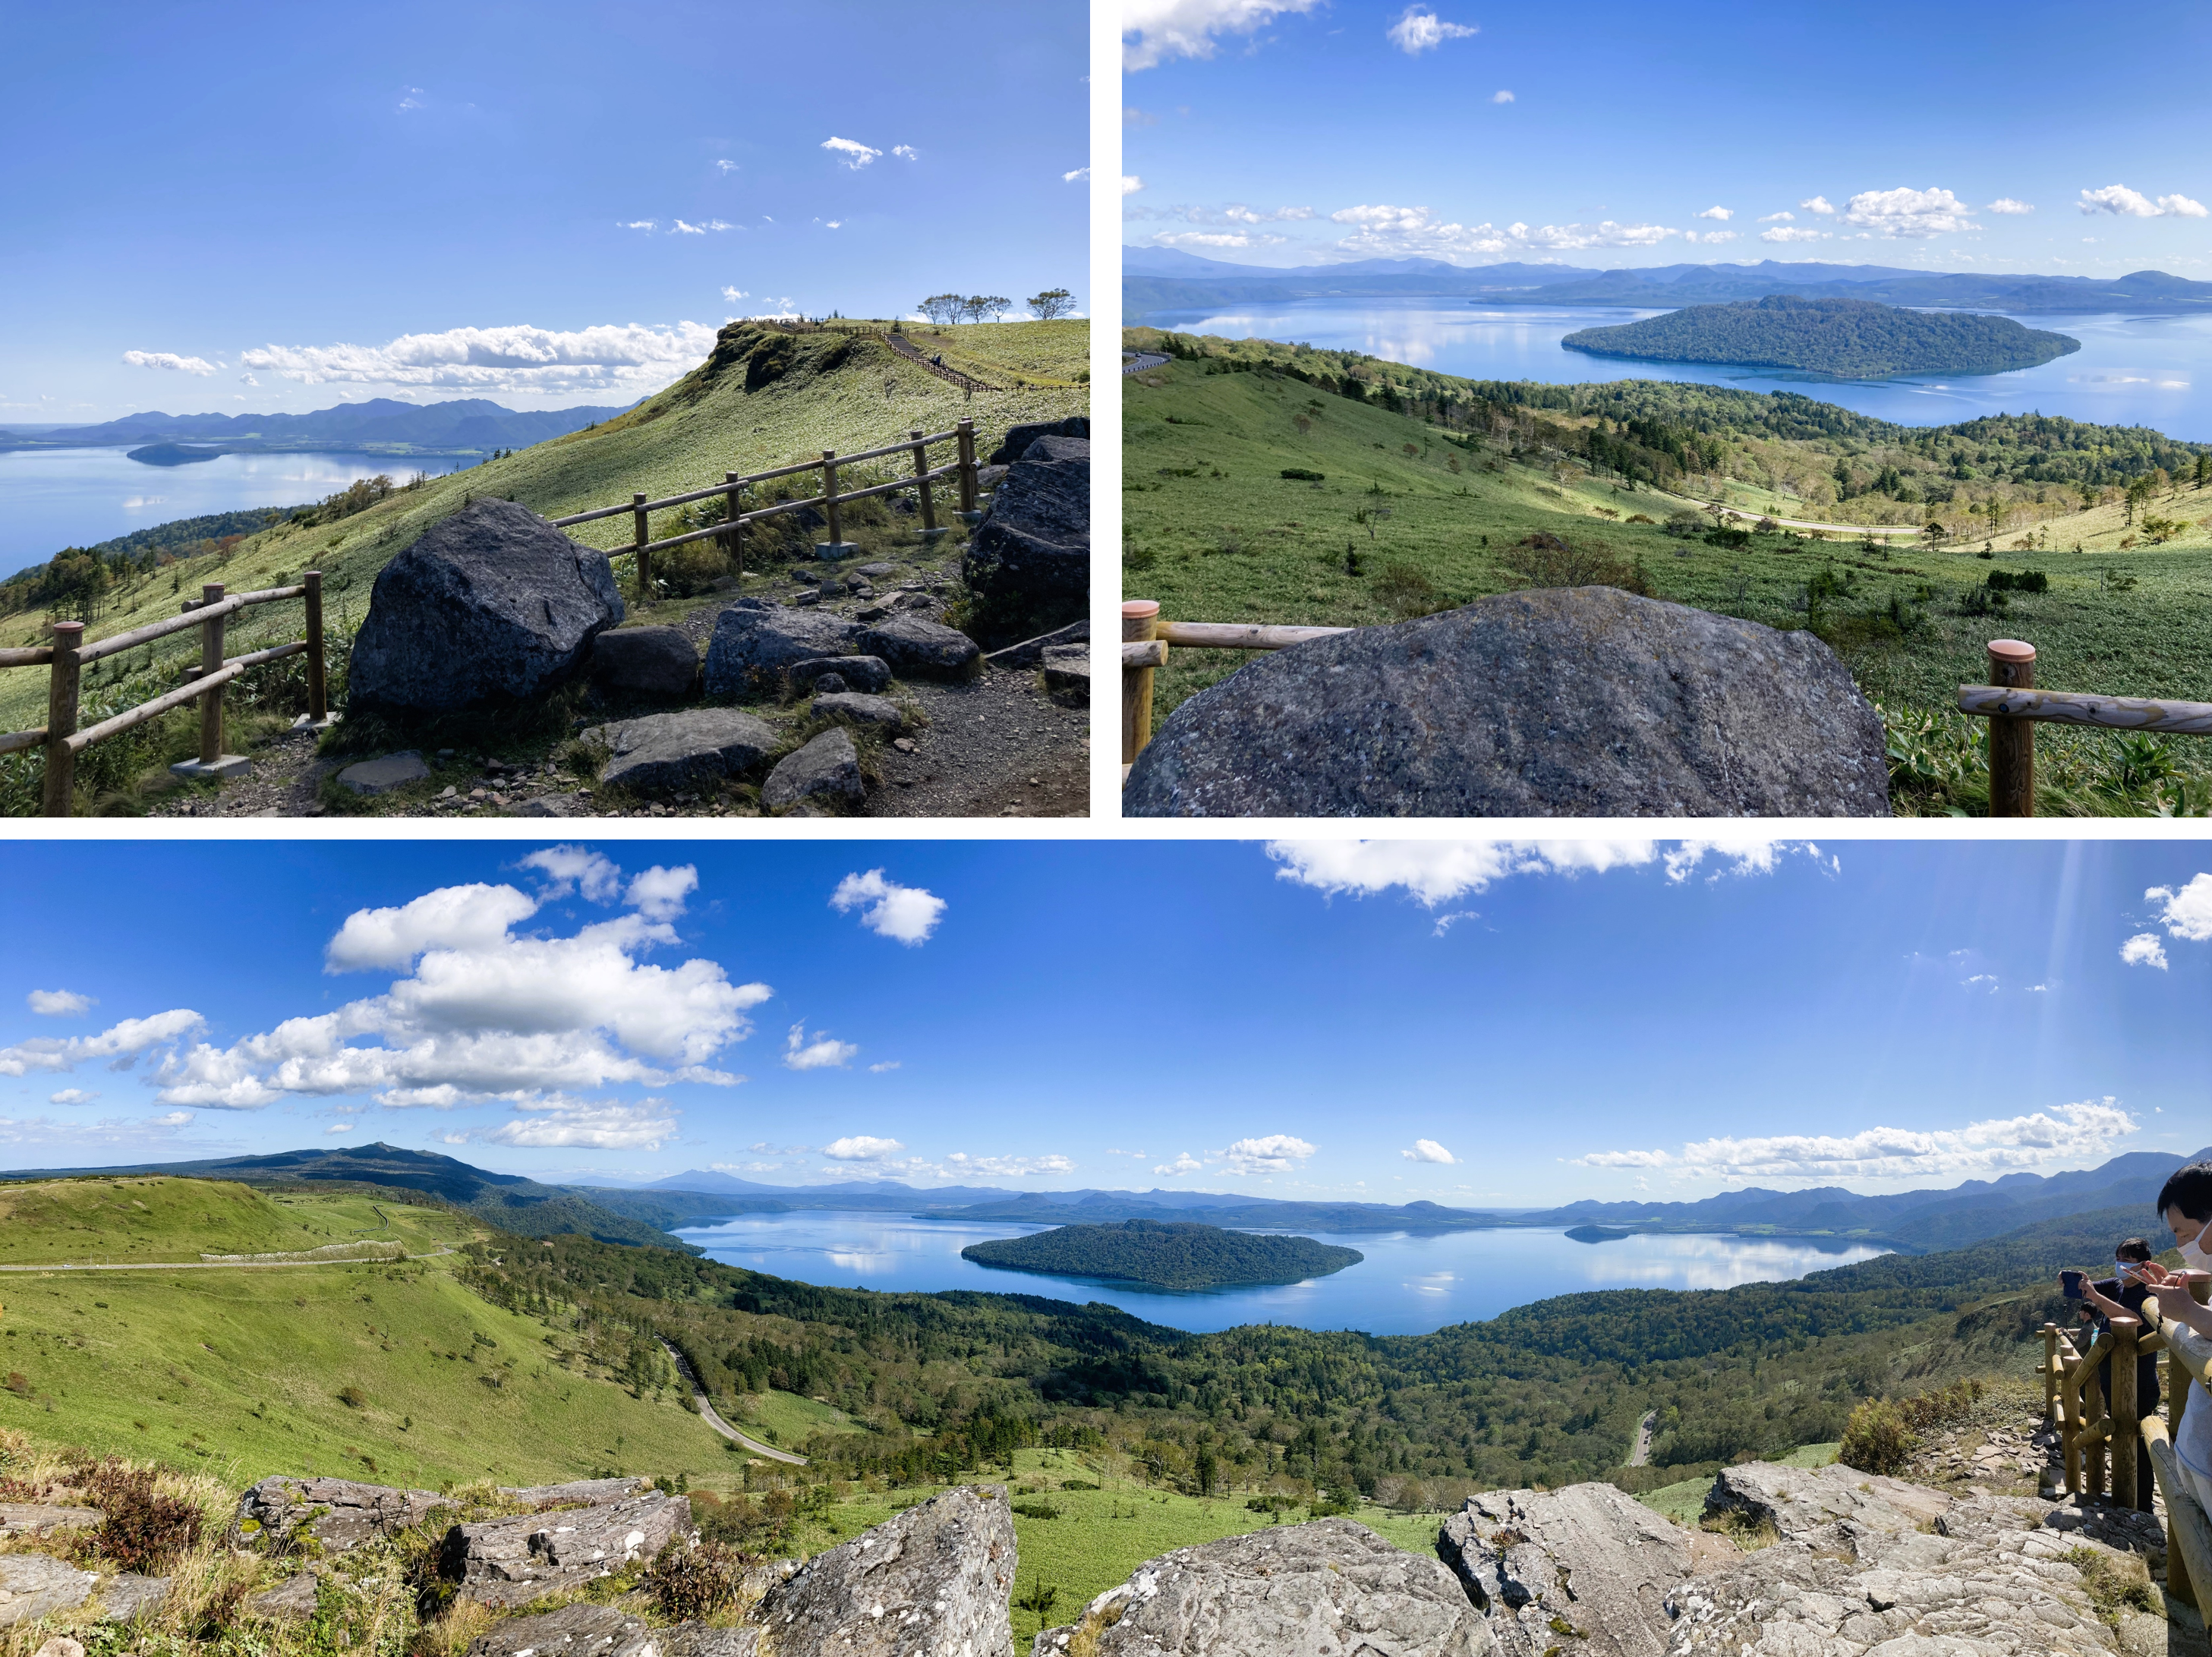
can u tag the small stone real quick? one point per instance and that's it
(829, 684)
(447, 792)
(291, 1599)
(868, 673)
(693, 745)
(382, 775)
(904, 744)
(879, 569)
(875, 712)
(60, 1646)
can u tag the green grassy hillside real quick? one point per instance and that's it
(1413, 511)
(143, 1219)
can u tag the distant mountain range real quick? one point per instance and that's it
(1162, 279)
(467, 426)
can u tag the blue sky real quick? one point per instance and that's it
(1473, 1023)
(1973, 135)
(261, 200)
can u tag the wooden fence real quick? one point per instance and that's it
(66, 657)
(731, 530)
(1145, 641)
(2089, 1426)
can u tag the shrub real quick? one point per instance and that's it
(696, 1581)
(1683, 523)
(1037, 1510)
(1300, 475)
(1876, 1439)
(2031, 580)
(1546, 561)
(1405, 591)
(143, 1530)
(352, 1397)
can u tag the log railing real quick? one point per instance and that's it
(731, 530)
(1146, 639)
(2012, 705)
(2099, 1436)
(67, 656)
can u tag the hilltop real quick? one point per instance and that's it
(1180, 1256)
(1840, 339)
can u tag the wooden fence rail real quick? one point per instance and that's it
(731, 530)
(67, 657)
(2098, 1436)
(1141, 625)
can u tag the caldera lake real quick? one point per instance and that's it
(1409, 1283)
(2152, 370)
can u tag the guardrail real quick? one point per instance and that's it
(2074, 1403)
(731, 530)
(66, 657)
(1145, 641)
(2012, 705)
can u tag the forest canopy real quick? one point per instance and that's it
(1177, 1255)
(1845, 338)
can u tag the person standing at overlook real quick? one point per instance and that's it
(2123, 1294)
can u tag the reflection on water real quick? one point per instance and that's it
(1409, 1283)
(2152, 370)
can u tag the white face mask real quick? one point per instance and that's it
(2193, 1254)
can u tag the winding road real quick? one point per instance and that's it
(1143, 360)
(1641, 1455)
(707, 1414)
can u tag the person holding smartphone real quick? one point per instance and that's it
(2123, 1294)
(2185, 1204)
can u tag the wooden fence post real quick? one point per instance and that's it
(965, 431)
(318, 688)
(2093, 1416)
(2125, 1451)
(2012, 741)
(2050, 1375)
(929, 530)
(644, 558)
(1140, 616)
(834, 547)
(61, 717)
(211, 632)
(735, 543)
(2069, 1401)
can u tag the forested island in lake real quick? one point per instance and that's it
(1176, 1255)
(1842, 338)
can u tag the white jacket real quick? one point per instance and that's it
(2194, 1444)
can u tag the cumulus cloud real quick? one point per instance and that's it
(1275, 1153)
(907, 152)
(339, 1127)
(1782, 217)
(1501, 96)
(823, 1053)
(2085, 1131)
(725, 166)
(1420, 30)
(861, 1148)
(1722, 213)
(2187, 912)
(637, 224)
(57, 1004)
(1817, 204)
(907, 914)
(600, 1124)
(71, 1096)
(1080, 175)
(1428, 1151)
(733, 295)
(1236, 213)
(658, 893)
(1217, 239)
(1786, 232)
(190, 365)
(854, 155)
(1438, 871)
(2007, 204)
(959, 1163)
(569, 869)
(1904, 212)
(1184, 1163)
(625, 358)
(1131, 184)
(121, 1042)
(1709, 235)
(1154, 31)
(2117, 199)
(1381, 231)
(2145, 949)
(887, 1064)
(467, 918)
(680, 228)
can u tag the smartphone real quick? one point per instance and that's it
(2070, 1282)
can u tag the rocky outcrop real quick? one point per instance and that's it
(576, 1490)
(1561, 702)
(39, 1585)
(338, 1513)
(871, 674)
(653, 664)
(691, 748)
(1331, 1588)
(934, 1582)
(127, 1596)
(1588, 1557)
(755, 641)
(292, 1600)
(491, 607)
(1023, 433)
(1029, 563)
(915, 645)
(43, 1519)
(510, 1562)
(581, 1630)
(825, 772)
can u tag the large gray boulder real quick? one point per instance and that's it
(44, 1518)
(39, 1585)
(1023, 433)
(1589, 1556)
(1029, 563)
(656, 663)
(754, 642)
(491, 608)
(577, 1489)
(338, 1513)
(917, 647)
(1331, 1588)
(934, 1582)
(1580, 701)
(690, 747)
(511, 1561)
(579, 1630)
(856, 708)
(825, 772)
(871, 674)
(127, 1596)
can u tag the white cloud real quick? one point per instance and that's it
(1783, 217)
(1421, 30)
(1909, 213)
(658, 893)
(2182, 207)
(567, 869)
(2145, 949)
(623, 358)
(464, 918)
(1709, 235)
(1428, 1151)
(1816, 204)
(677, 227)
(1153, 31)
(1501, 96)
(2007, 204)
(190, 365)
(1722, 212)
(721, 224)
(907, 913)
(124, 1040)
(339, 1127)
(888, 1064)
(1184, 1163)
(57, 1004)
(1081, 175)
(854, 155)
(1275, 1153)
(1131, 184)
(733, 295)
(907, 151)
(861, 1148)
(645, 1125)
(1784, 233)
(1217, 239)
(1234, 213)
(2188, 912)
(636, 224)
(1381, 231)
(725, 166)
(2087, 1130)
(247, 379)
(1438, 871)
(823, 1053)
(71, 1096)
(2119, 200)
(959, 1163)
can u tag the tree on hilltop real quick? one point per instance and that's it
(1051, 305)
(942, 309)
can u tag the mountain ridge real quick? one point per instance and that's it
(465, 425)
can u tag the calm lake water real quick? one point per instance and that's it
(55, 498)
(1409, 1284)
(2130, 371)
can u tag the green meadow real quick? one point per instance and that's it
(155, 1218)
(1398, 517)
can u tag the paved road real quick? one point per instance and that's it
(214, 1265)
(1641, 1455)
(1142, 361)
(706, 1413)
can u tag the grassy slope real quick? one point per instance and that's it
(684, 437)
(158, 1219)
(1212, 530)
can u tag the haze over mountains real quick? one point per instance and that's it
(1164, 279)
(467, 425)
